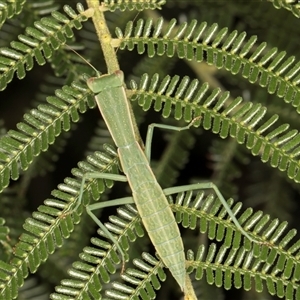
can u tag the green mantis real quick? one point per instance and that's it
(150, 199)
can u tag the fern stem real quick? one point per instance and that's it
(109, 53)
(104, 36)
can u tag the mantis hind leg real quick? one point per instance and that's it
(210, 185)
(206, 185)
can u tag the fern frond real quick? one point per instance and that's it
(10, 9)
(5, 246)
(280, 146)
(57, 265)
(49, 32)
(276, 265)
(139, 5)
(40, 129)
(52, 223)
(293, 6)
(31, 12)
(218, 48)
(98, 262)
(46, 161)
(240, 267)
(145, 279)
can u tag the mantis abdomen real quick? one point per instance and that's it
(154, 210)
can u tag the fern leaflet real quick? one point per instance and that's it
(139, 5)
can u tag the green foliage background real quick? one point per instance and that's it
(246, 142)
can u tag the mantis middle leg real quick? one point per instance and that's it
(95, 206)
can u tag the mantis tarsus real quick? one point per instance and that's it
(147, 194)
